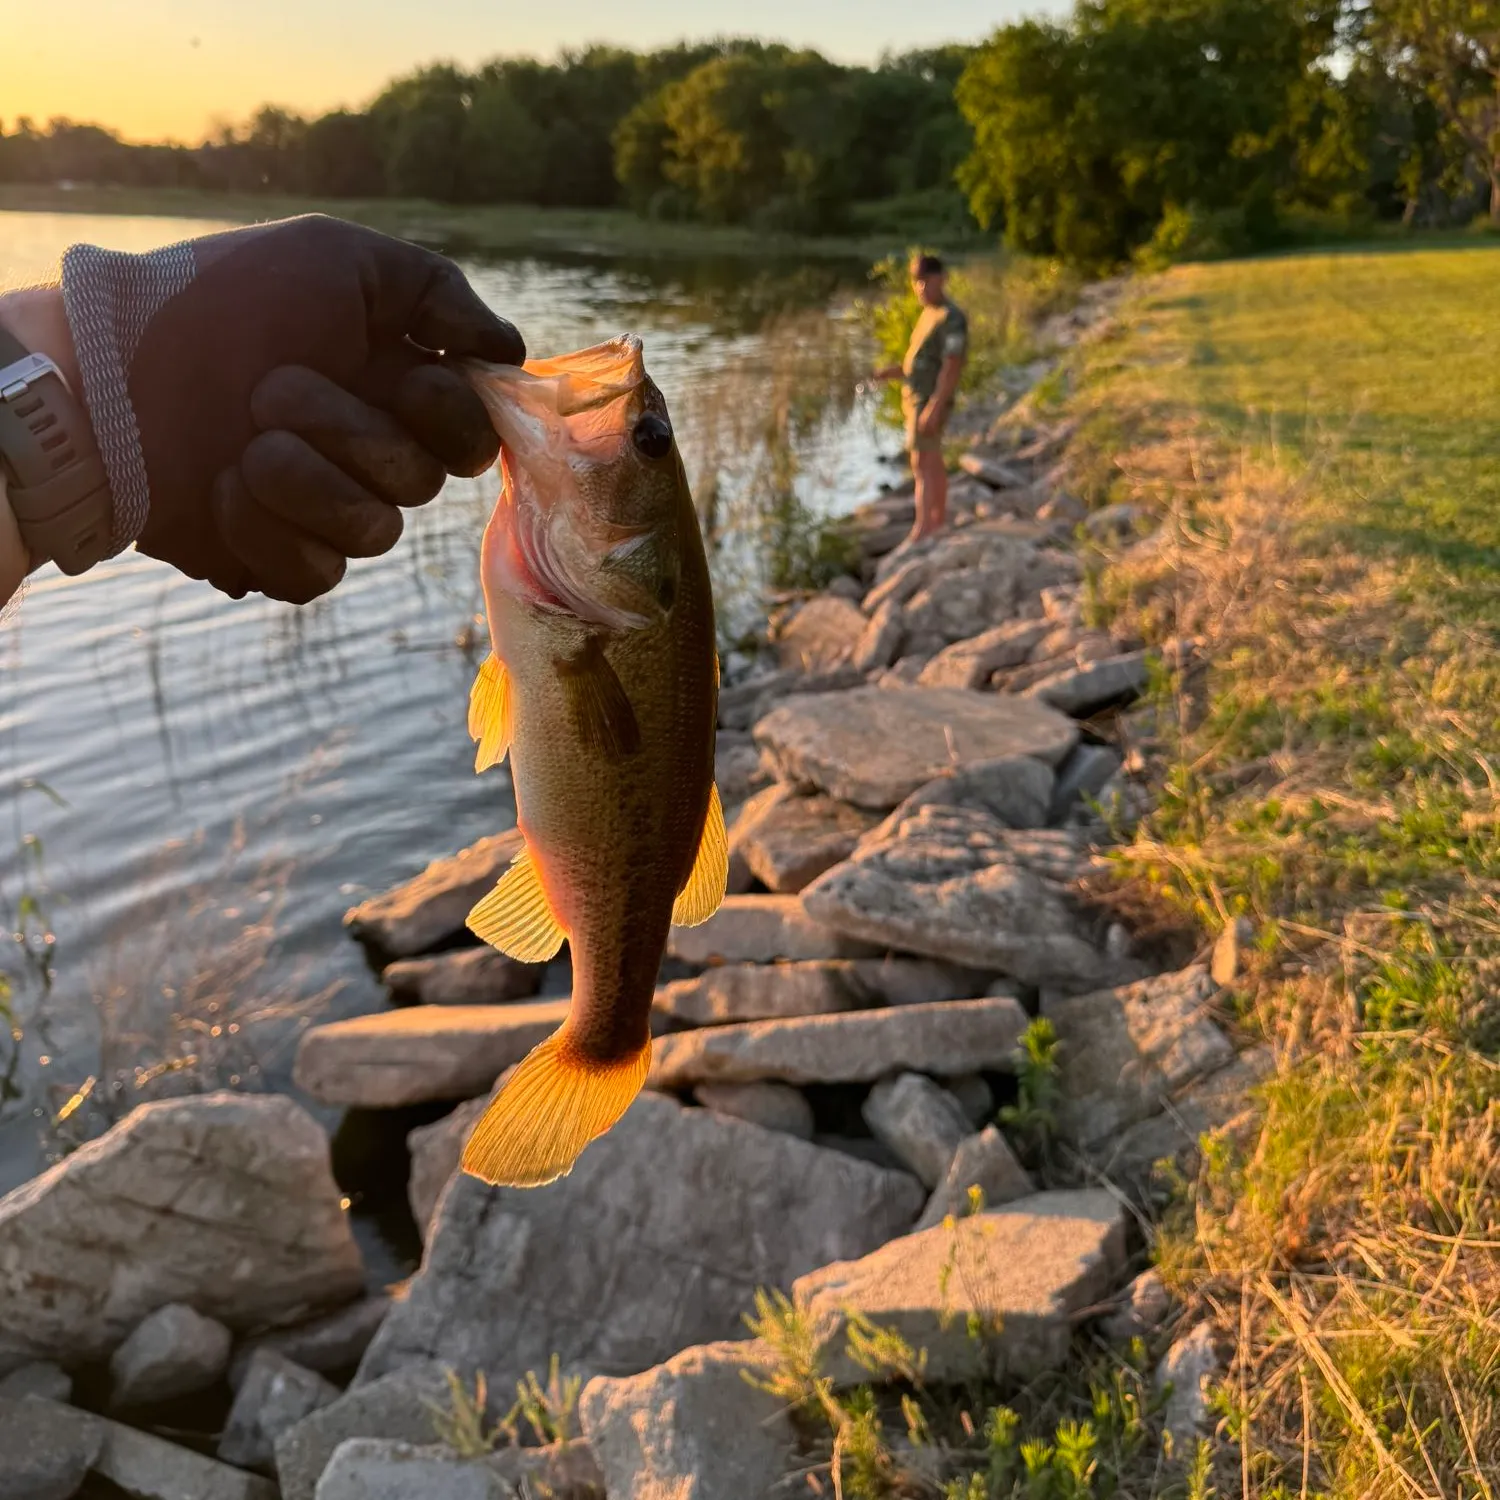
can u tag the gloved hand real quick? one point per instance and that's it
(286, 393)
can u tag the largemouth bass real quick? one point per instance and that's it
(603, 688)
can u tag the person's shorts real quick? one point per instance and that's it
(911, 408)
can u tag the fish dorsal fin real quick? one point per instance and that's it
(490, 713)
(516, 917)
(600, 707)
(703, 893)
(551, 1107)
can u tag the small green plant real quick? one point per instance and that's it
(1032, 1119)
(549, 1410)
(461, 1424)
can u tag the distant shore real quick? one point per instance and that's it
(476, 228)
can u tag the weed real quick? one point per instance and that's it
(461, 1424)
(550, 1410)
(1032, 1119)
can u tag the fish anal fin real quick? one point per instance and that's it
(703, 892)
(516, 917)
(551, 1107)
(490, 713)
(600, 707)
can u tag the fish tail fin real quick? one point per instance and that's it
(553, 1105)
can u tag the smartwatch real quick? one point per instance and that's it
(54, 476)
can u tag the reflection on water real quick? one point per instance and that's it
(210, 784)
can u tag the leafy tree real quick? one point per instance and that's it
(343, 156)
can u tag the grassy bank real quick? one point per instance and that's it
(495, 228)
(1322, 433)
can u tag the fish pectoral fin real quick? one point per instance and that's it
(703, 893)
(516, 917)
(552, 1106)
(601, 709)
(490, 713)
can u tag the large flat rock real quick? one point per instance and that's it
(466, 976)
(759, 992)
(955, 884)
(428, 910)
(873, 748)
(427, 1052)
(819, 635)
(657, 1240)
(763, 930)
(947, 1038)
(1016, 1274)
(787, 840)
(223, 1201)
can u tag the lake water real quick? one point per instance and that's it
(199, 788)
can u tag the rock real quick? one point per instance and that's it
(984, 1161)
(435, 1153)
(1065, 508)
(561, 1471)
(968, 663)
(995, 545)
(845, 586)
(39, 1378)
(989, 470)
(1227, 960)
(398, 1406)
(233, 1195)
(1021, 1271)
(820, 634)
(762, 930)
(1015, 789)
(741, 704)
(880, 644)
(274, 1395)
(952, 1037)
(1142, 1310)
(388, 1469)
(1124, 1052)
(658, 1239)
(693, 1428)
(758, 992)
(46, 1449)
(788, 841)
(401, 1057)
(951, 605)
(974, 1095)
(874, 748)
(172, 1352)
(920, 1122)
(467, 976)
(1084, 774)
(426, 911)
(152, 1469)
(1188, 1369)
(1116, 523)
(330, 1344)
(737, 769)
(952, 883)
(1062, 604)
(1081, 691)
(772, 1106)
(912, 981)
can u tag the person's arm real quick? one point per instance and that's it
(36, 317)
(948, 378)
(888, 372)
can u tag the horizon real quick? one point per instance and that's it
(173, 71)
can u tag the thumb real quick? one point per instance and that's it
(434, 306)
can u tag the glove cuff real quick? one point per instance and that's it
(109, 297)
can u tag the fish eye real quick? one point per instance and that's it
(652, 436)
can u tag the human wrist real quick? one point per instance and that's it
(15, 560)
(37, 317)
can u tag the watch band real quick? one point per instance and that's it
(56, 483)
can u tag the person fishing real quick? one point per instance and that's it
(929, 375)
(254, 407)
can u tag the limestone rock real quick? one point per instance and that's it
(1021, 1270)
(330, 1344)
(873, 748)
(984, 1161)
(772, 1106)
(424, 912)
(1085, 773)
(658, 1239)
(1143, 1309)
(466, 976)
(398, 1407)
(880, 644)
(435, 1151)
(737, 769)
(945, 1039)
(789, 840)
(152, 1469)
(1016, 790)
(46, 1449)
(912, 981)
(820, 634)
(693, 1428)
(173, 1351)
(1084, 690)
(759, 992)
(919, 1121)
(409, 1056)
(991, 471)
(968, 663)
(953, 883)
(224, 1201)
(371, 1468)
(949, 606)
(274, 1395)
(974, 1095)
(1188, 1368)
(39, 1378)
(1063, 507)
(762, 930)
(1124, 1052)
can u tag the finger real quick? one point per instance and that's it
(284, 562)
(435, 404)
(364, 441)
(291, 479)
(425, 297)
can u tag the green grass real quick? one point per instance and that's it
(1322, 434)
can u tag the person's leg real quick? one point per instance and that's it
(932, 492)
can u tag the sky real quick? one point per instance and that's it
(166, 69)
